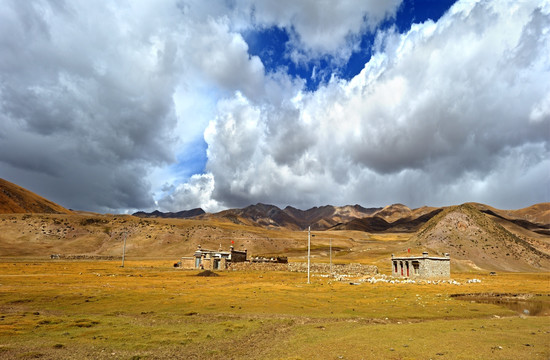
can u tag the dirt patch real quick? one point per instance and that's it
(207, 273)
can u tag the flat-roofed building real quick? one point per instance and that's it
(421, 266)
(213, 259)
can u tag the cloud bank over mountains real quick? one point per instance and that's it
(446, 112)
(125, 105)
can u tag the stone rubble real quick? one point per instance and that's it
(390, 280)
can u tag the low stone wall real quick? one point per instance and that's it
(245, 266)
(341, 269)
(84, 257)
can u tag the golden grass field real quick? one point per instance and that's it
(57, 309)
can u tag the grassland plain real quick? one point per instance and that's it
(149, 310)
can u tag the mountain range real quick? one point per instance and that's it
(477, 236)
(392, 218)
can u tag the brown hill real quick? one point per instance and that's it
(316, 217)
(470, 235)
(368, 224)
(396, 218)
(411, 221)
(263, 215)
(415, 220)
(538, 214)
(534, 218)
(15, 199)
(325, 217)
(290, 218)
(394, 212)
(95, 234)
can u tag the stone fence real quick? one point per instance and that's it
(257, 266)
(341, 269)
(83, 257)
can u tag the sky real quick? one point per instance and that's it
(123, 105)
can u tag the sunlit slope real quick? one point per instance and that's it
(44, 234)
(470, 235)
(15, 199)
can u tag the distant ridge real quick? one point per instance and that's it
(15, 199)
(391, 218)
(271, 216)
(410, 222)
(185, 214)
(534, 218)
(394, 212)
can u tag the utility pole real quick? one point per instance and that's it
(308, 250)
(330, 254)
(124, 248)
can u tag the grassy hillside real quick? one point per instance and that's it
(468, 234)
(43, 234)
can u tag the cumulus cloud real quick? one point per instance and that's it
(94, 98)
(448, 112)
(101, 104)
(195, 193)
(320, 28)
(222, 56)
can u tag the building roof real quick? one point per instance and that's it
(421, 257)
(200, 250)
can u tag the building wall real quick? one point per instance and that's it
(188, 262)
(207, 263)
(212, 260)
(437, 268)
(421, 267)
(238, 256)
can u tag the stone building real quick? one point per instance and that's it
(213, 259)
(421, 266)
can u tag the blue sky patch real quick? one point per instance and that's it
(271, 45)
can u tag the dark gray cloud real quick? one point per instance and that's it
(86, 108)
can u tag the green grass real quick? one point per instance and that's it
(148, 310)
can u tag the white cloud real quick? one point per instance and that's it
(122, 87)
(437, 116)
(197, 192)
(97, 101)
(318, 28)
(222, 57)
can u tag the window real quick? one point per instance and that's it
(416, 267)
